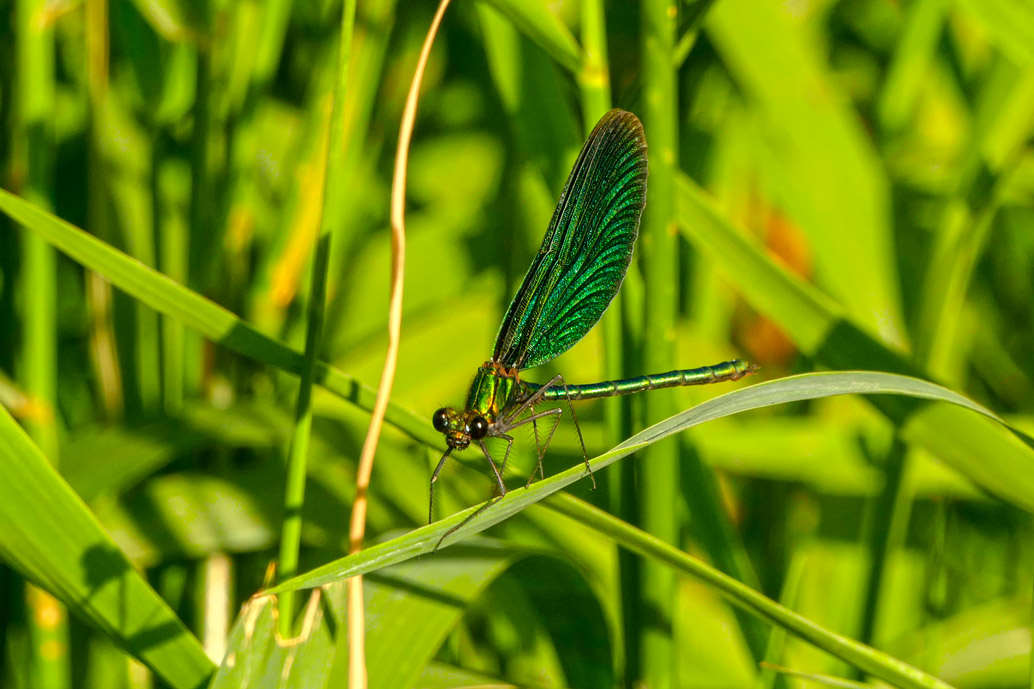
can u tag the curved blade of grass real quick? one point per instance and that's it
(535, 20)
(63, 549)
(796, 388)
(980, 449)
(195, 311)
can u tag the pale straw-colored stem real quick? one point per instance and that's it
(356, 640)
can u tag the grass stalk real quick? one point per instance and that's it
(290, 539)
(33, 149)
(202, 174)
(103, 347)
(294, 497)
(699, 485)
(357, 527)
(658, 485)
(889, 512)
(170, 180)
(594, 82)
(594, 78)
(617, 358)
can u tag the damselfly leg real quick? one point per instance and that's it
(512, 421)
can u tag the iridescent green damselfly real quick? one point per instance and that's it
(575, 275)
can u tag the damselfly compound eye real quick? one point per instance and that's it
(478, 428)
(440, 420)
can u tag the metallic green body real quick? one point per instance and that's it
(492, 391)
(728, 370)
(495, 389)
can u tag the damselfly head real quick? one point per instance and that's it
(459, 428)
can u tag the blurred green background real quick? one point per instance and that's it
(876, 154)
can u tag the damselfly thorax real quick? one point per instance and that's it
(495, 389)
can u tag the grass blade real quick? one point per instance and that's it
(291, 534)
(65, 550)
(47, 619)
(810, 386)
(535, 20)
(195, 311)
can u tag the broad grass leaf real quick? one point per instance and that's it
(54, 541)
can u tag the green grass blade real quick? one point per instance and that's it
(291, 534)
(538, 22)
(47, 620)
(984, 452)
(811, 386)
(65, 550)
(796, 388)
(910, 64)
(195, 311)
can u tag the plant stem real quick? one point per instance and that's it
(33, 149)
(103, 347)
(658, 485)
(290, 541)
(357, 526)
